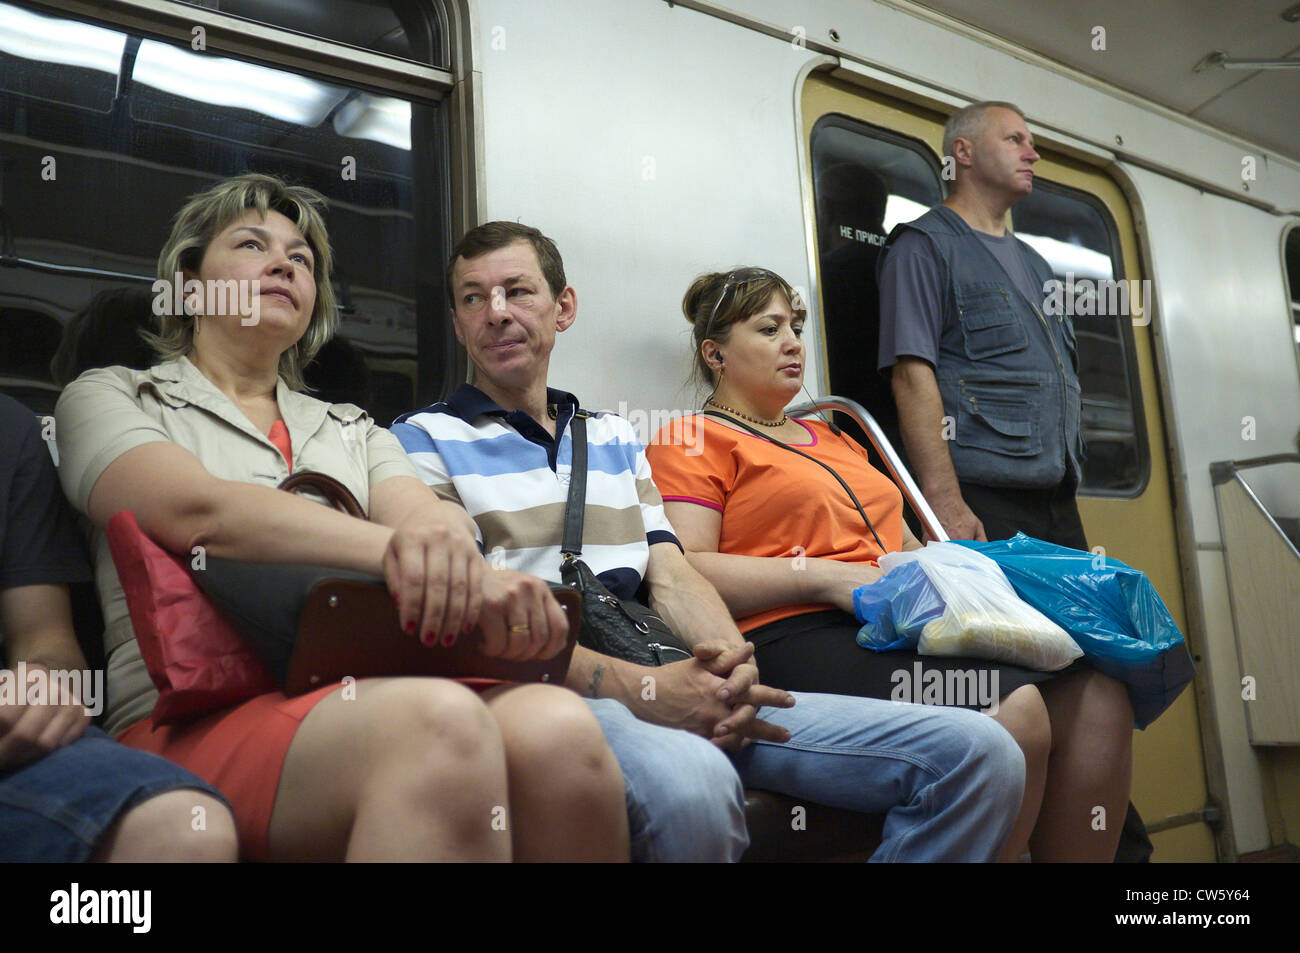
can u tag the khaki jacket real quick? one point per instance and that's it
(108, 411)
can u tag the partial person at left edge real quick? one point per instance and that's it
(67, 791)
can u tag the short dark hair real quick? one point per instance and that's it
(493, 235)
(106, 332)
(968, 121)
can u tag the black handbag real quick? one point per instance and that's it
(620, 628)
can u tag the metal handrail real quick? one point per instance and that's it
(1222, 470)
(863, 418)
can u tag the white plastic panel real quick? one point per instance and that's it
(649, 162)
(1224, 330)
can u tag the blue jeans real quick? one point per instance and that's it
(58, 808)
(685, 801)
(949, 780)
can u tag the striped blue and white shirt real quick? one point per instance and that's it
(513, 479)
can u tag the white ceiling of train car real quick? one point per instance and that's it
(1152, 47)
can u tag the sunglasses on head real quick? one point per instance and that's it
(735, 279)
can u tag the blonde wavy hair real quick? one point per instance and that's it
(204, 217)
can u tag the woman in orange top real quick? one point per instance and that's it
(785, 546)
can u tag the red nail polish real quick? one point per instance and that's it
(449, 639)
(410, 628)
(428, 638)
(467, 630)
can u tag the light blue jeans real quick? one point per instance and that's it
(685, 801)
(949, 780)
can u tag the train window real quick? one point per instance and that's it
(865, 180)
(405, 28)
(76, 66)
(1076, 235)
(104, 134)
(1291, 254)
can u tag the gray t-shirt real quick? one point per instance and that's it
(913, 280)
(1007, 251)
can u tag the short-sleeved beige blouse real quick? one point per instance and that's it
(106, 412)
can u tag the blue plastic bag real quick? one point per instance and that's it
(895, 608)
(1110, 609)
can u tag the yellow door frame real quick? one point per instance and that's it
(1169, 778)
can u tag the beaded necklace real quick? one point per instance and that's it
(754, 420)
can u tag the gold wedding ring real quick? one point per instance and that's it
(519, 628)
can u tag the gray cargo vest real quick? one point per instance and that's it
(1008, 373)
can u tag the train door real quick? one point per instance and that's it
(873, 162)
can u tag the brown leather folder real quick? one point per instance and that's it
(328, 650)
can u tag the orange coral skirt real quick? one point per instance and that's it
(240, 751)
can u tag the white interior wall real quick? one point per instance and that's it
(648, 162)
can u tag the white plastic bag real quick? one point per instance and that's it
(984, 618)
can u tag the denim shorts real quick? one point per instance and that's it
(57, 808)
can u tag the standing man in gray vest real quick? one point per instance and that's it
(985, 381)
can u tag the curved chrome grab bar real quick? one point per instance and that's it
(911, 493)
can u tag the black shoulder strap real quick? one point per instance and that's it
(825, 466)
(577, 503)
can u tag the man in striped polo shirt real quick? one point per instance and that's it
(949, 779)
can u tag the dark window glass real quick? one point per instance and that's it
(1076, 235)
(89, 187)
(865, 181)
(76, 65)
(406, 28)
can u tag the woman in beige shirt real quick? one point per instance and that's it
(399, 768)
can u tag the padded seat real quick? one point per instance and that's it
(823, 834)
